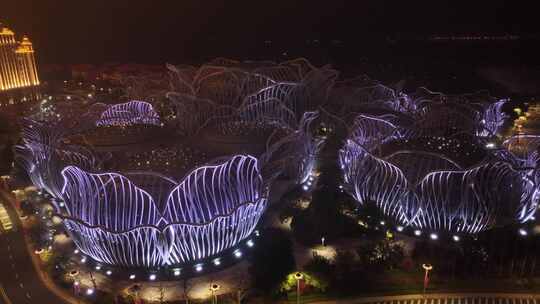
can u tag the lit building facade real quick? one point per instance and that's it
(17, 62)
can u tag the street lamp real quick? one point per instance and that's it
(298, 276)
(427, 269)
(76, 284)
(76, 287)
(214, 288)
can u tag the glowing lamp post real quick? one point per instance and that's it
(298, 276)
(76, 288)
(76, 284)
(214, 288)
(427, 269)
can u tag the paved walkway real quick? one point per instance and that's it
(444, 298)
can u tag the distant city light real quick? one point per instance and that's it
(217, 262)
(455, 238)
(108, 272)
(433, 236)
(490, 145)
(198, 267)
(152, 277)
(90, 291)
(250, 243)
(132, 277)
(305, 187)
(522, 232)
(238, 253)
(98, 267)
(399, 228)
(176, 272)
(417, 232)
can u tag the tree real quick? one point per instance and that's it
(309, 280)
(161, 297)
(320, 268)
(186, 289)
(272, 260)
(240, 287)
(92, 279)
(38, 234)
(383, 254)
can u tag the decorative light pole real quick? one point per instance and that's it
(76, 284)
(298, 276)
(214, 288)
(427, 269)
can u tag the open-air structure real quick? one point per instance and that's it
(138, 190)
(187, 176)
(439, 166)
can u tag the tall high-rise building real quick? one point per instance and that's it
(17, 62)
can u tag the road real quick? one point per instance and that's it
(19, 281)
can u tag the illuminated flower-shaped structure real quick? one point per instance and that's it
(129, 113)
(138, 190)
(433, 170)
(144, 218)
(117, 222)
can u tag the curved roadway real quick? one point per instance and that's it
(20, 283)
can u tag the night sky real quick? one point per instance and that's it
(96, 31)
